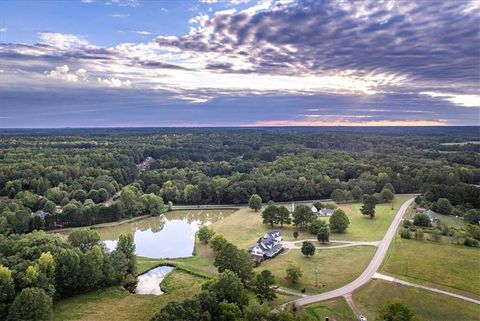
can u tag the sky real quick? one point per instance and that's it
(136, 63)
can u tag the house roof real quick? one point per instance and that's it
(326, 211)
(268, 244)
(432, 215)
(40, 213)
(272, 234)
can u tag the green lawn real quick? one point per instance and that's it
(428, 306)
(117, 304)
(336, 309)
(448, 220)
(453, 267)
(336, 267)
(362, 228)
(452, 221)
(244, 227)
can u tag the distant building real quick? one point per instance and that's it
(420, 210)
(143, 166)
(267, 246)
(325, 211)
(40, 214)
(314, 209)
(432, 215)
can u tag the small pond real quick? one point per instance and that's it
(149, 282)
(167, 236)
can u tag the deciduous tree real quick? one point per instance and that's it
(339, 221)
(255, 202)
(263, 286)
(308, 249)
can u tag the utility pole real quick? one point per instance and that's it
(316, 276)
(406, 266)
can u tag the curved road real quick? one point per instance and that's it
(368, 272)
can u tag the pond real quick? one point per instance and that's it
(149, 282)
(167, 236)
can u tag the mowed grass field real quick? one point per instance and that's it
(336, 267)
(116, 303)
(362, 228)
(244, 227)
(336, 309)
(452, 267)
(428, 306)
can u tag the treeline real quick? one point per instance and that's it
(16, 215)
(37, 269)
(212, 166)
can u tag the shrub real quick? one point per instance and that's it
(471, 242)
(435, 236)
(407, 223)
(31, 304)
(316, 225)
(405, 234)
(323, 234)
(308, 249)
(419, 234)
(205, 234)
(422, 220)
(294, 273)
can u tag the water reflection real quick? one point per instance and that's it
(168, 236)
(149, 283)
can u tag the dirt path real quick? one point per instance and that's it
(351, 304)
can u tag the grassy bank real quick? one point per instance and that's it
(200, 264)
(428, 306)
(117, 304)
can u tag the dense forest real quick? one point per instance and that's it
(80, 177)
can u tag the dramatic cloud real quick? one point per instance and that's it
(62, 41)
(326, 62)
(63, 73)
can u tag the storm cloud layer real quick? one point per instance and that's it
(271, 63)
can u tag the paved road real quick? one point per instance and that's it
(371, 268)
(293, 245)
(402, 282)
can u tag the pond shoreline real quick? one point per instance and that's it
(137, 218)
(101, 225)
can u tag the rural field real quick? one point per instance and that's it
(336, 267)
(428, 306)
(337, 309)
(361, 228)
(452, 267)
